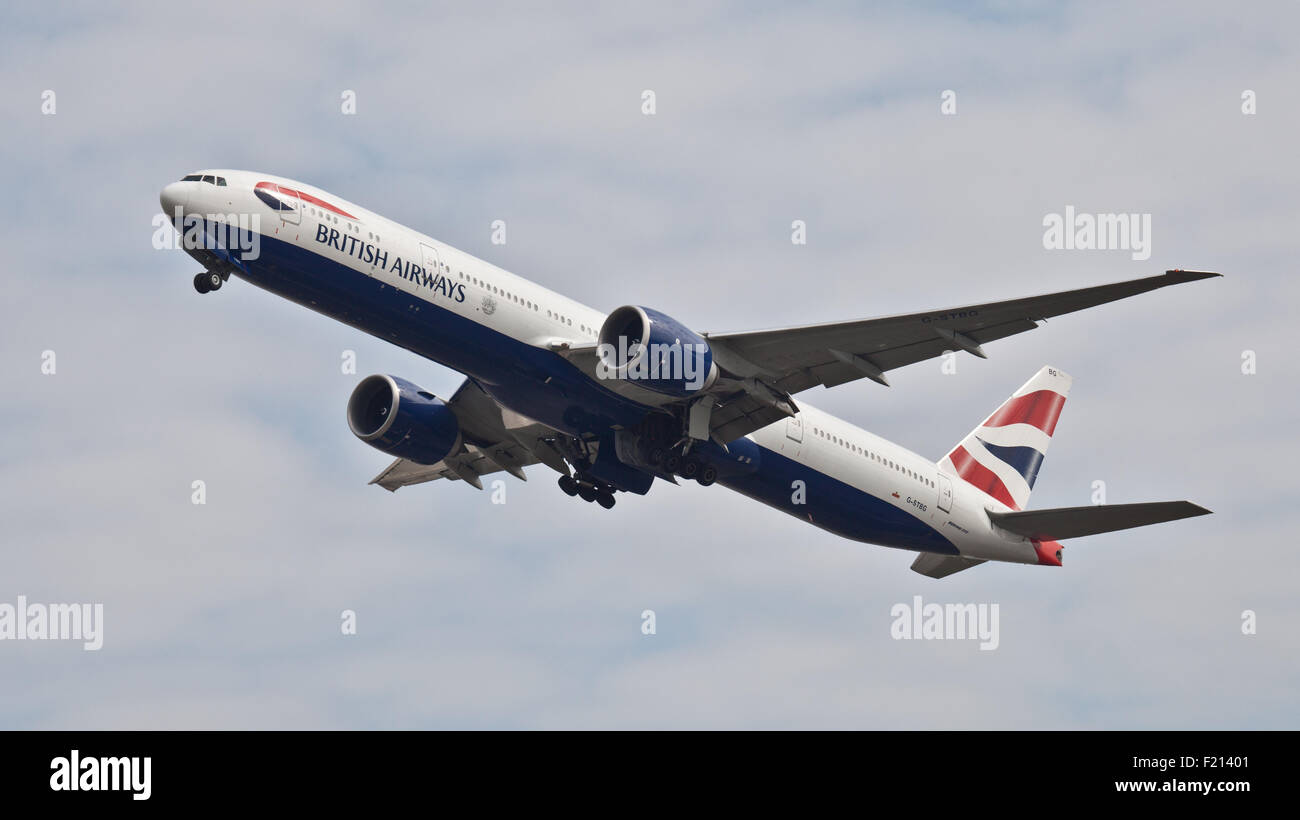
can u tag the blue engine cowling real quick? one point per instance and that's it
(398, 418)
(655, 351)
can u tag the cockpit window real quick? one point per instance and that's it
(192, 178)
(210, 178)
(221, 182)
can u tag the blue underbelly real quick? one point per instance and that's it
(835, 506)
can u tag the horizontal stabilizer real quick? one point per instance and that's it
(1073, 522)
(941, 566)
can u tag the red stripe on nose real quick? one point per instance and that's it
(304, 196)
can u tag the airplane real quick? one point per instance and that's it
(613, 401)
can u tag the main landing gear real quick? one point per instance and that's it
(207, 281)
(602, 494)
(673, 462)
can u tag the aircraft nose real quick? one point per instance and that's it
(174, 196)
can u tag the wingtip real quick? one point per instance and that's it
(1180, 275)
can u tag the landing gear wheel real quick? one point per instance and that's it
(569, 486)
(690, 468)
(587, 491)
(605, 500)
(201, 283)
(214, 281)
(672, 462)
(708, 475)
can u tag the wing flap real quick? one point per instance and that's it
(402, 473)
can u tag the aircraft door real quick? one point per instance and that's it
(429, 259)
(945, 493)
(793, 436)
(292, 213)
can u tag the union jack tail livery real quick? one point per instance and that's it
(1002, 456)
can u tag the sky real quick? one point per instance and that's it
(528, 614)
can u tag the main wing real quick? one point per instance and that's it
(768, 366)
(797, 358)
(493, 439)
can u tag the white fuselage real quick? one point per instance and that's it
(355, 238)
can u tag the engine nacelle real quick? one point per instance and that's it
(655, 351)
(399, 418)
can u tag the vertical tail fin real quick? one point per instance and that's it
(1001, 457)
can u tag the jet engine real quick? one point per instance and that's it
(403, 420)
(654, 351)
